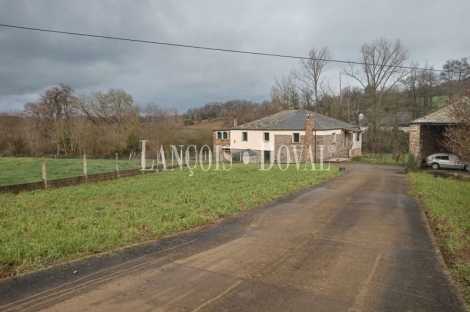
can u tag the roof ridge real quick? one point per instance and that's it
(318, 122)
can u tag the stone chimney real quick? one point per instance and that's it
(309, 142)
(235, 121)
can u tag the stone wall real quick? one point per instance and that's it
(341, 149)
(357, 152)
(280, 154)
(309, 140)
(415, 142)
(221, 143)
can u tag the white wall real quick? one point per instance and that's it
(356, 143)
(256, 138)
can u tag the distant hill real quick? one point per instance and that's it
(207, 125)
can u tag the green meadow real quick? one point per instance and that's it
(18, 170)
(447, 204)
(45, 227)
(385, 159)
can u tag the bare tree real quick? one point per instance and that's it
(453, 73)
(456, 70)
(115, 118)
(55, 108)
(284, 93)
(381, 69)
(160, 127)
(420, 84)
(458, 136)
(312, 69)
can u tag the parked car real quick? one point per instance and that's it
(446, 161)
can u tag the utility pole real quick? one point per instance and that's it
(340, 91)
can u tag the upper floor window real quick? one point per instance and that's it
(358, 137)
(334, 138)
(244, 136)
(266, 136)
(225, 135)
(219, 135)
(296, 138)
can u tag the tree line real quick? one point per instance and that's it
(384, 83)
(103, 123)
(385, 90)
(243, 110)
(62, 124)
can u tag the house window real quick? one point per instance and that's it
(266, 137)
(267, 157)
(334, 138)
(358, 137)
(225, 135)
(219, 135)
(296, 138)
(244, 136)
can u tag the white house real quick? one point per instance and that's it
(272, 138)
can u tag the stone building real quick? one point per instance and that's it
(279, 138)
(427, 133)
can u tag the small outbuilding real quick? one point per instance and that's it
(427, 133)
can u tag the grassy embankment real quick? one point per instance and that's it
(45, 227)
(447, 204)
(17, 170)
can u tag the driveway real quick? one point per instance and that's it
(359, 242)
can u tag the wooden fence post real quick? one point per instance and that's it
(44, 172)
(85, 171)
(117, 166)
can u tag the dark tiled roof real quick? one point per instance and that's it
(295, 120)
(441, 116)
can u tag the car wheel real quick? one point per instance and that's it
(435, 166)
(467, 168)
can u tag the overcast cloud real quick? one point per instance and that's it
(31, 62)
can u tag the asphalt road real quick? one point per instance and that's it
(359, 242)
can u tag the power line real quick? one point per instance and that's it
(209, 48)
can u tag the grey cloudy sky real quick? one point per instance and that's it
(31, 62)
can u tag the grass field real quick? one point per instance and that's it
(447, 203)
(207, 125)
(44, 227)
(17, 170)
(386, 159)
